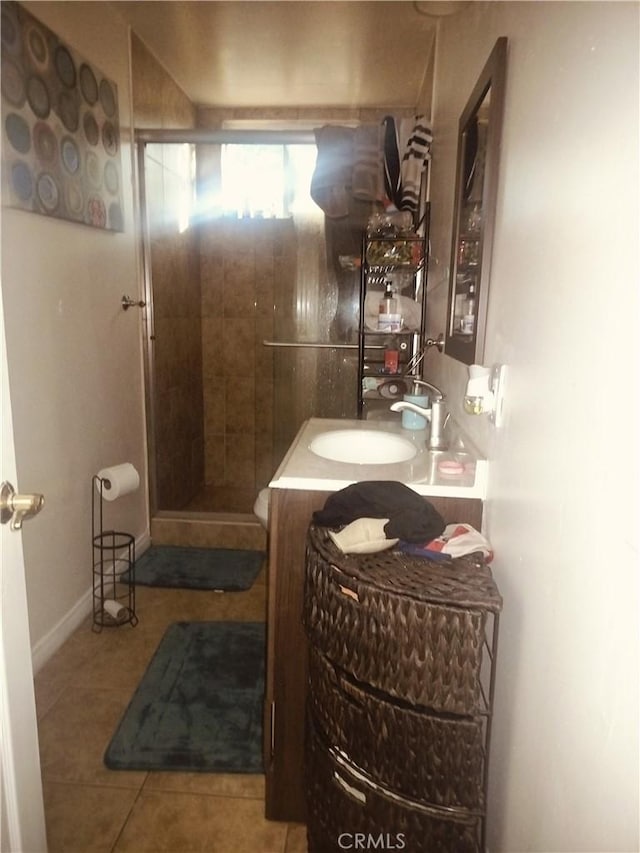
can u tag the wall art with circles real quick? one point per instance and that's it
(60, 127)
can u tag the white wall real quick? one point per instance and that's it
(74, 359)
(563, 315)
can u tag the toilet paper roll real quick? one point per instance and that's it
(117, 481)
(114, 609)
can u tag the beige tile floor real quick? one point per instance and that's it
(81, 694)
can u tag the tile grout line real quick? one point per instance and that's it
(129, 813)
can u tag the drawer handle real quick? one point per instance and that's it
(353, 792)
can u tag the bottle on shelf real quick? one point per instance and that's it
(459, 310)
(469, 312)
(389, 318)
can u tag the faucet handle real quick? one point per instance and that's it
(431, 387)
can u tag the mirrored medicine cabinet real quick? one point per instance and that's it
(479, 133)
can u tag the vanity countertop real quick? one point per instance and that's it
(301, 468)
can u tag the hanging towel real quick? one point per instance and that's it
(366, 181)
(392, 177)
(416, 153)
(332, 174)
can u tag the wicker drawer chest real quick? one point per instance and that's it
(401, 680)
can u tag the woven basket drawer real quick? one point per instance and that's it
(340, 804)
(402, 638)
(434, 759)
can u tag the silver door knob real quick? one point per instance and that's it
(127, 302)
(16, 508)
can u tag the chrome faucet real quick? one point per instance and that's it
(437, 416)
(435, 389)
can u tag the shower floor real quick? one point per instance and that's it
(222, 499)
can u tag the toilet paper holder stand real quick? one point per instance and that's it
(114, 560)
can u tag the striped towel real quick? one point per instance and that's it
(417, 152)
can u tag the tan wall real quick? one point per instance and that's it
(564, 771)
(74, 359)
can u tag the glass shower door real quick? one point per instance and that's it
(314, 345)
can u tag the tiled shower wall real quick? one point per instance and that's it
(240, 261)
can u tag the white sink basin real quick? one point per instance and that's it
(363, 447)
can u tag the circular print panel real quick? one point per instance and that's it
(70, 155)
(96, 212)
(109, 138)
(111, 180)
(12, 82)
(107, 98)
(92, 167)
(18, 132)
(47, 192)
(88, 84)
(22, 181)
(68, 111)
(37, 47)
(9, 32)
(65, 66)
(91, 130)
(45, 143)
(38, 97)
(74, 198)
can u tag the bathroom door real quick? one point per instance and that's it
(22, 824)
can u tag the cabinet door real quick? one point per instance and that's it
(286, 675)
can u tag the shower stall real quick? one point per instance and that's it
(250, 322)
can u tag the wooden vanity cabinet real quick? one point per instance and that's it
(287, 649)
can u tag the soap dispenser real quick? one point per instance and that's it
(389, 320)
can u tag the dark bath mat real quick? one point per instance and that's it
(197, 568)
(199, 704)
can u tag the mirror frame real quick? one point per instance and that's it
(470, 349)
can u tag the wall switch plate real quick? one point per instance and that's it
(497, 384)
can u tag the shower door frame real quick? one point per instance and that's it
(193, 136)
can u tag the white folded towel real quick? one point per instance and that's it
(363, 536)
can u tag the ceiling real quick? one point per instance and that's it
(258, 53)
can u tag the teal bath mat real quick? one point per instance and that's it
(197, 568)
(199, 704)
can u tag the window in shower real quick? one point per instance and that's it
(266, 181)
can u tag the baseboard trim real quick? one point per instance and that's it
(48, 645)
